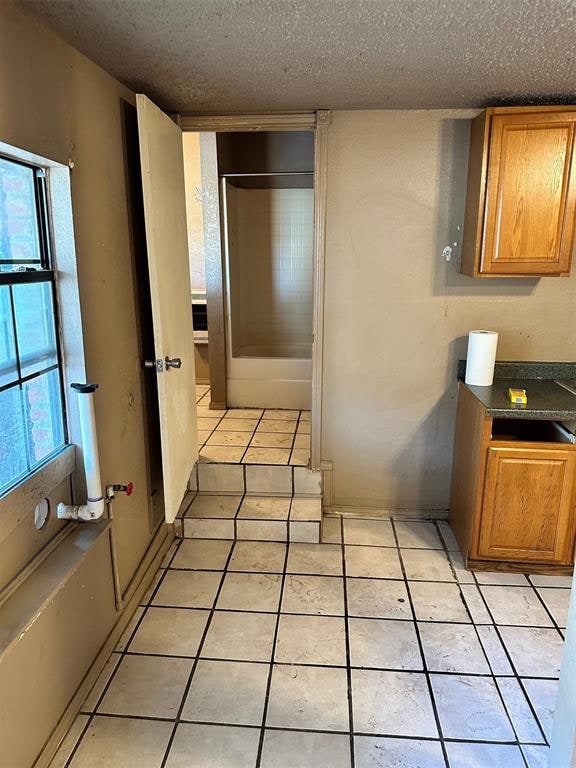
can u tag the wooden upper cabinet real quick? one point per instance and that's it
(528, 505)
(521, 200)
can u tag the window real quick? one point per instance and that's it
(32, 427)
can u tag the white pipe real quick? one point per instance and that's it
(114, 556)
(94, 507)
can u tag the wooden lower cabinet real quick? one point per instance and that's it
(513, 502)
(528, 505)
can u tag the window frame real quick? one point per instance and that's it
(35, 272)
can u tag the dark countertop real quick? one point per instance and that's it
(546, 399)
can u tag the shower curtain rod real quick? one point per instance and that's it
(269, 173)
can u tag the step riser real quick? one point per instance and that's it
(257, 480)
(261, 517)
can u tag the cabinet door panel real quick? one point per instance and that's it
(528, 505)
(531, 195)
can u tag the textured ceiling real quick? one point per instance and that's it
(250, 55)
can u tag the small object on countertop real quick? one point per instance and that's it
(517, 396)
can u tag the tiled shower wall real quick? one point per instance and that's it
(271, 248)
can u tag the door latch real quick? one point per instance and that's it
(161, 365)
(158, 365)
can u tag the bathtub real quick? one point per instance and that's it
(268, 236)
(270, 377)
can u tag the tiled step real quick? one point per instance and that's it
(260, 479)
(269, 517)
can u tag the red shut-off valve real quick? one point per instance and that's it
(112, 490)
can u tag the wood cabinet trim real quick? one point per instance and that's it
(531, 445)
(520, 566)
(531, 109)
(473, 430)
(475, 194)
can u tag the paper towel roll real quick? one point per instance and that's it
(481, 358)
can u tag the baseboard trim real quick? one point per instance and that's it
(525, 567)
(327, 484)
(150, 563)
(373, 513)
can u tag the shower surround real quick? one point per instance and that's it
(269, 300)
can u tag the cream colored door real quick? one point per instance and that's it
(167, 243)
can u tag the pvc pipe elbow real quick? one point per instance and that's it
(90, 512)
(94, 509)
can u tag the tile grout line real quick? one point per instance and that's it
(182, 518)
(292, 489)
(512, 666)
(238, 509)
(492, 674)
(553, 623)
(213, 429)
(294, 439)
(364, 546)
(327, 732)
(251, 439)
(333, 615)
(252, 433)
(421, 648)
(517, 676)
(363, 578)
(252, 436)
(122, 654)
(334, 576)
(496, 627)
(272, 657)
(548, 611)
(79, 740)
(347, 643)
(196, 659)
(313, 665)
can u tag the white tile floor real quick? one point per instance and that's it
(252, 435)
(377, 649)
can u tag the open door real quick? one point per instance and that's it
(167, 244)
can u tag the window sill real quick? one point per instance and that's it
(20, 502)
(25, 604)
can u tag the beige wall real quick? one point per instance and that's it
(195, 224)
(56, 103)
(202, 364)
(194, 216)
(396, 315)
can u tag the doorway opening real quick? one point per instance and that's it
(250, 208)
